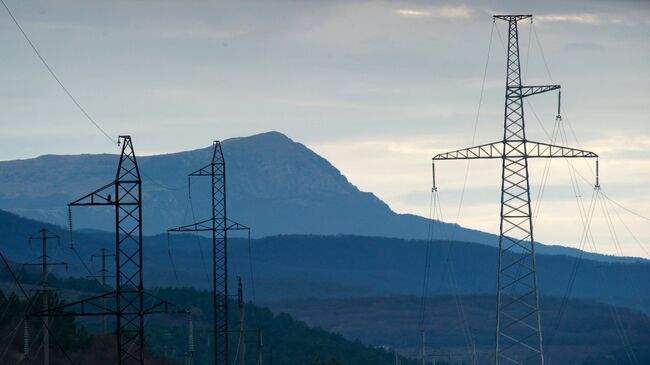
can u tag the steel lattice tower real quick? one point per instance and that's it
(125, 194)
(518, 327)
(126, 302)
(219, 225)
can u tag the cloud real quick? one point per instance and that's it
(583, 18)
(411, 12)
(446, 12)
(583, 46)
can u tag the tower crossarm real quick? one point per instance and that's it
(514, 149)
(104, 304)
(515, 18)
(203, 171)
(206, 225)
(523, 91)
(489, 150)
(235, 226)
(101, 196)
(545, 150)
(202, 226)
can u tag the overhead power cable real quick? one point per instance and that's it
(53, 74)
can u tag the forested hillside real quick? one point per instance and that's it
(286, 341)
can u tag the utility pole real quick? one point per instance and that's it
(518, 322)
(219, 225)
(190, 340)
(424, 351)
(103, 274)
(260, 348)
(240, 305)
(44, 235)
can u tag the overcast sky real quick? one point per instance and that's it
(376, 87)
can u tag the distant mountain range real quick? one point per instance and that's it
(275, 185)
(309, 266)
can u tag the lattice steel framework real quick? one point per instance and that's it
(219, 225)
(127, 200)
(518, 327)
(127, 301)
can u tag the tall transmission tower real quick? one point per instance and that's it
(518, 325)
(44, 235)
(127, 300)
(219, 225)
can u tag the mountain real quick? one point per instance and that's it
(310, 266)
(275, 185)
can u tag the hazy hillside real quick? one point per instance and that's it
(586, 329)
(275, 185)
(307, 266)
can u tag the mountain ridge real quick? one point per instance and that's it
(275, 185)
(304, 266)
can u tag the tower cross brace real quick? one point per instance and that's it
(518, 323)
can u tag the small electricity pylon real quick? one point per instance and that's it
(189, 357)
(43, 236)
(219, 225)
(518, 325)
(103, 253)
(242, 333)
(126, 302)
(260, 347)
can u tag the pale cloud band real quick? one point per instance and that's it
(446, 12)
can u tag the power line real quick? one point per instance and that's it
(53, 74)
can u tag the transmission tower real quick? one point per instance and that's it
(260, 347)
(44, 235)
(219, 225)
(518, 325)
(127, 300)
(103, 253)
(242, 331)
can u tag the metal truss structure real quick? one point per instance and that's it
(43, 236)
(127, 301)
(219, 225)
(518, 328)
(103, 253)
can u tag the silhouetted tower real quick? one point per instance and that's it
(44, 235)
(189, 360)
(219, 225)
(125, 194)
(518, 328)
(260, 348)
(242, 334)
(127, 300)
(103, 253)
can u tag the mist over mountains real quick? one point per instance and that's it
(309, 266)
(275, 185)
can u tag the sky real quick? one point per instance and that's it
(376, 87)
